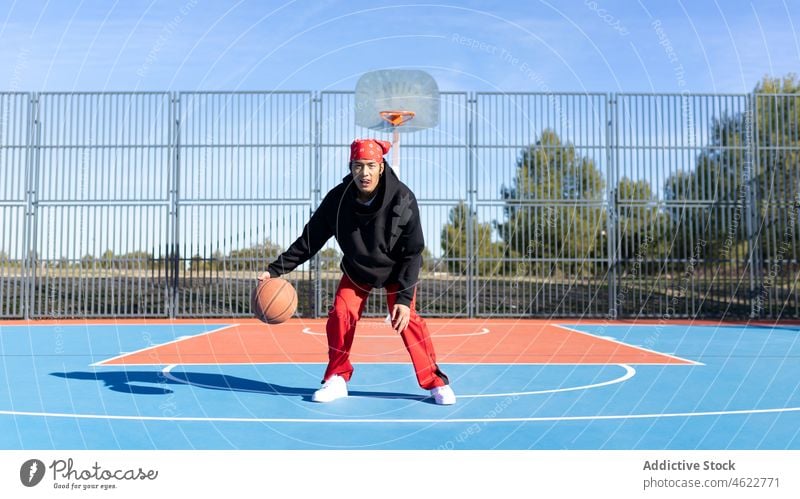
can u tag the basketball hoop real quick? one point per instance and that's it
(397, 118)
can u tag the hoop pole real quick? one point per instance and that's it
(396, 166)
(396, 151)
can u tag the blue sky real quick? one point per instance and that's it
(581, 45)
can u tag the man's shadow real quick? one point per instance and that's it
(158, 383)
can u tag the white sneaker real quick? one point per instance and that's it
(334, 388)
(443, 395)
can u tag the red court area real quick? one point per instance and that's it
(477, 341)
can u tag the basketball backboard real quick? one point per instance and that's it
(391, 91)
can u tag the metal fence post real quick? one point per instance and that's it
(612, 244)
(751, 206)
(173, 256)
(472, 104)
(34, 211)
(316, 193)
(25, 298)
(29, 221)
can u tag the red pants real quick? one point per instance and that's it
(348, 305)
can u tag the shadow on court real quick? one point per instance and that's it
(156, 383)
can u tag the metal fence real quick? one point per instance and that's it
(168, 204)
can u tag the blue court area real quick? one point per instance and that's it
(741, 393)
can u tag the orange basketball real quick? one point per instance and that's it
(274, 300)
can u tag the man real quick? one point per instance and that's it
(375, 219)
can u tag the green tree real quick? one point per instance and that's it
(428, 262)
(778, 123)
(87, 261)
(141, 260)
(252, 259)
(642, 227)
(721, 178)
(7, 262)
(778, 167)
(329, 259)
(491, 255)
(199, 264)
(553, 209)
(217, 257)
(107, 260)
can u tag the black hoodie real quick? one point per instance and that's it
(382, 243)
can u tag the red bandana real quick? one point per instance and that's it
(369, 149)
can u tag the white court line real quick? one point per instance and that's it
(629, 373)
(606, 338)
(400, 421)
(177, 340)
(307, 330)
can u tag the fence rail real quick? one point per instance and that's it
(168, 204)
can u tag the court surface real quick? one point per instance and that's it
(521, 384)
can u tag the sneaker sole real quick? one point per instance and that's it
(314, 399)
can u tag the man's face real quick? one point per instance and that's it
(366, 174)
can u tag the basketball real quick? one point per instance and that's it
(274, 300)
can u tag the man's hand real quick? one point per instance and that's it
(400, 317)
(264, 276)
